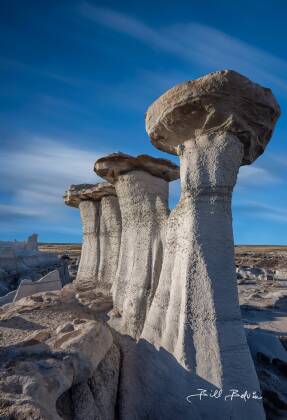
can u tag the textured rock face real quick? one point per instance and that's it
(95, 398)
(143, 199)
(194, 319)
(144, 207)
(110, 241)
(83, 192)
(90, 255)
(264, 310)
(57, 373)
(101, 220)
(120, 163)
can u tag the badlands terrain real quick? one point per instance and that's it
(262, 288)
(43, 338)
(150, 327)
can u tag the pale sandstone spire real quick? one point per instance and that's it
(141, 184)
(193, 335)
(110, 241)
(101, 222)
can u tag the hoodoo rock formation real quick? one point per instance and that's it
(215, 124)
(110, 241)
(141, 184)
(101, 221)
(175, 346)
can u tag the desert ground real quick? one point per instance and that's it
(47, 320)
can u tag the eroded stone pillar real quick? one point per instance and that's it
(141, 184)
(110, 241)
(193, 335)
(101, 221)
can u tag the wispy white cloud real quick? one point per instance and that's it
(36, 176)
(197, 43)
(16, 65)
(123, 23)
(261, 210)
(52, 104)
(146, 86)
(214, 49)
(256, 175)
(12, 210)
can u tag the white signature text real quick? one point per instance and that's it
(230, 395)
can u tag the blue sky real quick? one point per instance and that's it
(76, 78)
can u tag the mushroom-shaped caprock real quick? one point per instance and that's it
(84, 192)
(101, 223)
(223, 101)
(115, 164)
(141, 184)
(215, 124)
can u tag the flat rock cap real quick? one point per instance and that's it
(115, 164)
(224, 101)
(83, 192)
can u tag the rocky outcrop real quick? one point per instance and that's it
(57, 371)
(141, 184)
(101, 220)
(215, 124)
(270, 358)
(266, 257)
(28, 287)
(47, 283)
(23, 260)
(30, 245)
(263, 308)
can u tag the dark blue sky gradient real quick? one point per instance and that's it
(76, 78)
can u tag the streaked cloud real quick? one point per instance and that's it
(146, 85)
(15, 65)
(256, 209)
(256, 175)
(36, 176)
(125, 24)
(210, 48)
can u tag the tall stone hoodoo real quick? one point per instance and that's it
(141, 184)
(101, 221)
(193, 336)
(110, 240)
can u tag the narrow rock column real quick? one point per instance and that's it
(110, 241)
(101, 222)
(142, 188)
(215, 124)
(90, 254)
